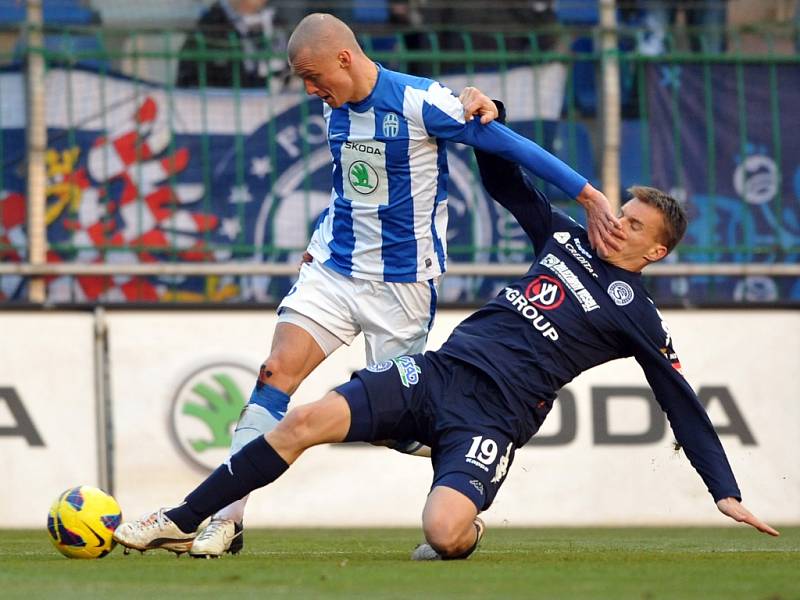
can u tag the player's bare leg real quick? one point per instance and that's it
(259, 463)
(451, 526)
(325, 421)
(293, 356)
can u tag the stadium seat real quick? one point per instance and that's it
(64, 48)
(374, 12)
(577, 12)
(55, 12)
(631, 161)
(370, 11)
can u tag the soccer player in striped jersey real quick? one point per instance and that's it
(379, 249)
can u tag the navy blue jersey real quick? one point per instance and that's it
(572, 311)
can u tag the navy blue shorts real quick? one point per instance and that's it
(445, 403)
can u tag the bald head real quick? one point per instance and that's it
(322, 31)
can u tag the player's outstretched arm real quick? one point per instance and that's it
(734, 509)
(603, 227)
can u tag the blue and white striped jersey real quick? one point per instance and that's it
(388, 213)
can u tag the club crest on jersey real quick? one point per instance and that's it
(562, 237)
(621, 293)
(363, 177)
(408, 369)
(391, 125)
(545, 292)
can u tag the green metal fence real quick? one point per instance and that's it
(560, 62)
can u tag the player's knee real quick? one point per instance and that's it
(294, 430)
(444, 534)
(281, 369)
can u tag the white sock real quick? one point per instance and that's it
(255, 420)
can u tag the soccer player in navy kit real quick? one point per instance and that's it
(488, 389)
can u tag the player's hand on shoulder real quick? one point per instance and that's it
(476, 103)
(605, 230)
(734, 509)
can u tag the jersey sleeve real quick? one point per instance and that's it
(510, 187)
(443, 117)
(690, 423)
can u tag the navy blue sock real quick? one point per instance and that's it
(254, 466)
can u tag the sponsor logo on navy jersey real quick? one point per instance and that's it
(666, 350)
(391, 125)
(380, 367)
(581, 249)
(502, 466)
(573, 283)
(621, 293)
(530, 312)
(562, 237)
(408, 369)
(577, 251)
(477, 485)
(545, 292)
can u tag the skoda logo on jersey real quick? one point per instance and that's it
(391, 125)
(621, 293)
(562, 237)
(363, 177)
(206, 406)
(545, 292)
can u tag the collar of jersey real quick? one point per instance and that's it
(365, 104)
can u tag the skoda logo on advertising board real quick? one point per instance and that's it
(205, 409)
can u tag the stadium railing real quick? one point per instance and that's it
(211, 227)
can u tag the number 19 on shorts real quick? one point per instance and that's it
(483, 450)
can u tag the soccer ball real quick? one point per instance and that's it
(82, 521)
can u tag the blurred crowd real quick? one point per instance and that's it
(253, 33)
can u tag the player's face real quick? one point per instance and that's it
(325, 75)
(644, 226)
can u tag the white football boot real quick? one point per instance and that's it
(424, 551)
(156, 530)
(219, 537)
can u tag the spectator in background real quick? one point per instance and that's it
(706, 20)
(514, 19)
(249, 26)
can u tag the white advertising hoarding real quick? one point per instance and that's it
(604, 456)
(48, 436)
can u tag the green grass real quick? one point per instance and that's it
(614, 564)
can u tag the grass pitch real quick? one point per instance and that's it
(615, 564)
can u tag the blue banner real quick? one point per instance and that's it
(724, 138)
(137, 175)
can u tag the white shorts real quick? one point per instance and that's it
(394, 317)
